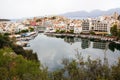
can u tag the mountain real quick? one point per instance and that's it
(94, 13)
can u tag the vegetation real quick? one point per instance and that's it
(113, 30)
(71, 31)
(6, 34)
(4, 20)
(118, 33)
(60, 31)
(112, 46)
(92, 32)
(15, 67)
(38, 20)
(54, 17)
(31, 29)
(6, 42)
(78, 69)
(57, 31)
(24, 31)
(119, 17)
(63, 31)
(19, 64)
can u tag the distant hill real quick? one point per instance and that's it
(94, 13)
(4, 20)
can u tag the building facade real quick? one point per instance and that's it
(85, 26)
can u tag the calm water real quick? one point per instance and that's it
(52, 50)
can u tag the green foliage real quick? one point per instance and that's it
(113, 30)
(119, 17)
(4, 41)
(78, 69)
(92, 32)
(62, 31)
(119, 33)
(6, 34)
(31, 29)
(15, 67)
(71, 31)
(57, 75)
(57, 31)
(19, 64)
(24, 31)
(25, 53)
(116, 71)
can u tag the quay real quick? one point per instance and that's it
(23, 39)
(96, 37)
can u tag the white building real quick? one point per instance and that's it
(78, 28)
(101, 27)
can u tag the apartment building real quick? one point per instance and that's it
(101, 27)
(86, 26)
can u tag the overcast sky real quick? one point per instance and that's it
(29, 8)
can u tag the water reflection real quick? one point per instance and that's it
(69, 40)
(86, 43)
(100, 45)
(113, 46)
(52, 50)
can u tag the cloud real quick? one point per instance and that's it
(27, 8)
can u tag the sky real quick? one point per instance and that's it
(13, 9)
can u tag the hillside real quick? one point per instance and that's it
(94, 13)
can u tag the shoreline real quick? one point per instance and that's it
(96, 37)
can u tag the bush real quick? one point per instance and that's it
(31, 29)
(62, 31)
(92, 32)
(16, 67)
(57, 31)
(24, 31)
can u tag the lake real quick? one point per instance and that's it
(51, 50)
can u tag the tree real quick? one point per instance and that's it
(92, 32)
(119, 17)
(54, 17)
(16, 67)
(4, 41)
(113, 30)
(57, 31)
(38, 20)
(119, 33)
(24, 31)
(31, 29)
